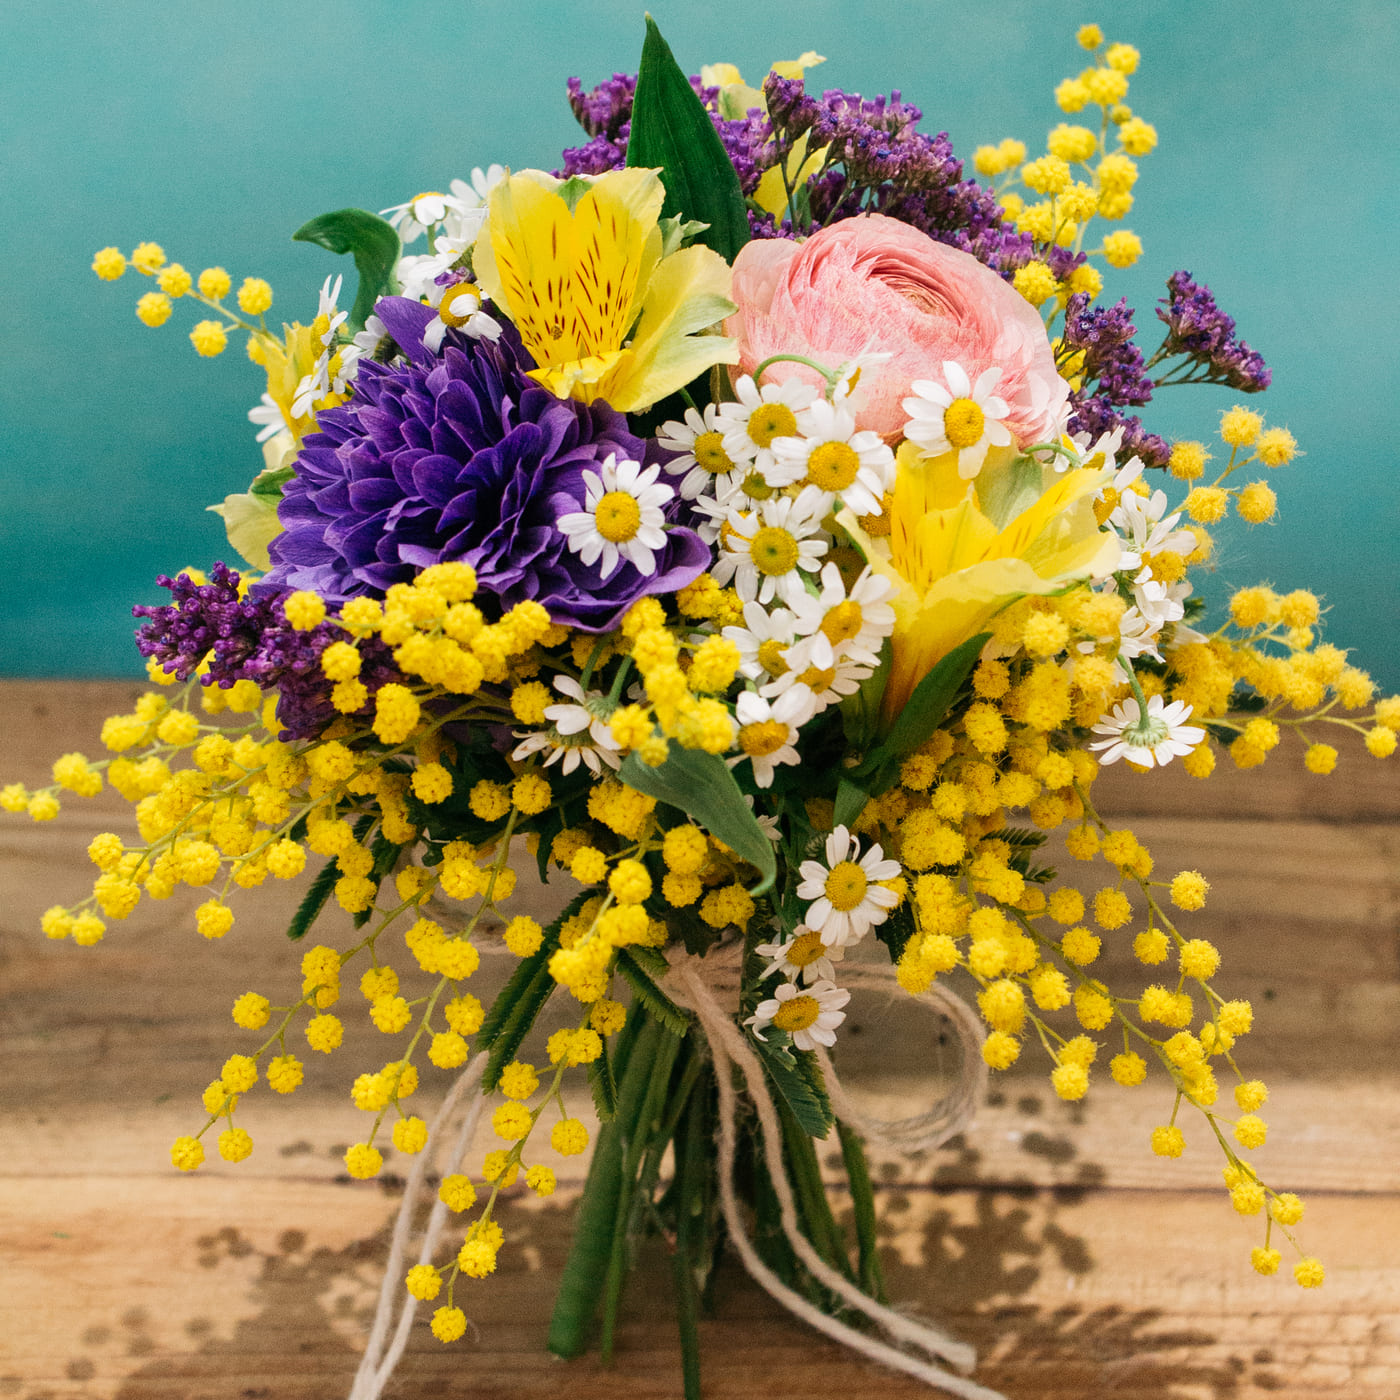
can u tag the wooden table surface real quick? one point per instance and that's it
(1079, 1265)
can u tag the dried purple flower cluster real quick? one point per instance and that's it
(1112, 373)
(250, 639)
(876, 161)
(1198, 329)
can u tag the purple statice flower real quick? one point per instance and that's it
(1104, 336)
(595, 157)
(1198, 329)
(461, 456)
(1096, 415)
(250, 639)
(606, 109)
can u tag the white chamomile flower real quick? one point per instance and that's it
(577, 733)
(700, 442)
(766, 550)
(759, 417)
(468, 196)
(459, 307)
(1155, 738)
(326, 308)
(803, 958)
(374, 334)
(962, 417)
(1142, 529)
(268, 418)
(854, 378)
(768, 730)
(857, 622)
(810, 1016)
(622, 517)
(846, 900)
(814, 663)
(833, 457)
(765, 635)
(415, 217)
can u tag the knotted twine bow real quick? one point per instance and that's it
(704, 986)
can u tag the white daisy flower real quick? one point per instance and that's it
(855, 623)
(621, 517)
(326, 306)
(836, 459)
(803, 958)
(760, 416)
(766, 550)
(809, 1016)
(768, 825)
(577, 733)
(766, 635)
(813, 662)
(768, 730)
(963, 417)
(847, 901)
(1139, 523)
(856, 376)
(1147, 740)
(368, 340)
(459, 307)
(700, 442)
(415, 217)
(268, 418)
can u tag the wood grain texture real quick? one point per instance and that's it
(1079, 1265)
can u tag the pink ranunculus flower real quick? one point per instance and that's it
(875, 284)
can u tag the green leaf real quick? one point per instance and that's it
(850, 802)
(798, 1079)
(701, 785)
(376, 248)
(677, 232)
(314, 900)
(604, 1086)
(640, 979)
(672, 130)
(921, 715)
(1009, 492)
(860, 712)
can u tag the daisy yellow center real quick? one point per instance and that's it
(877, 526)
(710, 454)
(797, 1014)
(769, 421)
(804, 951)
(963, 421)
(619, 517)
(833, 466)
(770, 657)
(846, 885)
(427, 194)
(843, 622)
(755, 487)
(774, 551)
(460, 304)
(817, 678)
(765, 737)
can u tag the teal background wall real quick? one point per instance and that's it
(216, 128)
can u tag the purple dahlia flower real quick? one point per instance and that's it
(461, 456)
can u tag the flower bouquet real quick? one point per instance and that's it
(746, 525)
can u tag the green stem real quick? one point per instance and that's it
(863, 1204)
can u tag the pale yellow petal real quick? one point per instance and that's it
(687, 293)
(797, 67)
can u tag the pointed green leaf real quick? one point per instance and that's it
(921, 715)
(672, 130)
(375, 245)
(850, 803)
(798, 1078)
(700, 785)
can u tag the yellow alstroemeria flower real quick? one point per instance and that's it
(288, 361)
(958, 552)
(602, 312)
